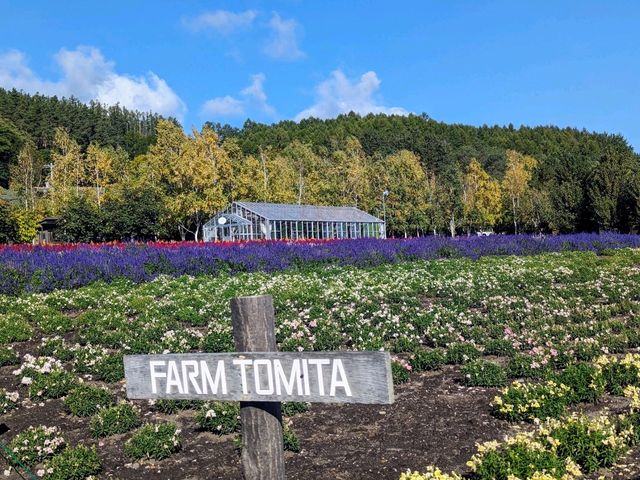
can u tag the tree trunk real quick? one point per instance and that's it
(265, 177)
(300, 188)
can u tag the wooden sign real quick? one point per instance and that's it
(326, 377)
(260, 378)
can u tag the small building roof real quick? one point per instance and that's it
(309, 213)
(49, 223)
(9, 196)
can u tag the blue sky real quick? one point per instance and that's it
(567, 63)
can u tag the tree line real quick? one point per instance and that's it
(34, 118)
(440, 179)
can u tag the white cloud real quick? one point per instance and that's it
(14, 73)
(283, 44)
(87, 75)
(224, 107)
(221, 21)
(253, 98)
(338, 95)
(255, 95)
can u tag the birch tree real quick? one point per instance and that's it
(25, 175)
(515, 183)
(482, 201)
(67, 172)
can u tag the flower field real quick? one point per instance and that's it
(45, 268)
(531, 348)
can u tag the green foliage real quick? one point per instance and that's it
(113, 420)
(155, 441)
(217, 341)
(585, 382)
(173, 406)
(13, 328)
(570, 158)
(55, 322)
(499, 347)
(591, 443)
(525, 366)
(630, 422)
(290, 409)
(12, 139)
(74, 463)
(520, 458)
(422, 359)
(86, 400)
(27, 223)
(56, 347)
(109, 368)
(79, 221)
(8, 400)
(458, 353)
(8, 356)
(400, 371)
(291, 440)
(55, 384)
(530, 401)
(35, 444)
(619, 373)
(36, 116)
(480, 373)
(136, 213)
(8, 228)
(219, 417)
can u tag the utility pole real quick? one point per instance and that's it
(384, 211)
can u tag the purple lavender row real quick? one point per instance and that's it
(44, 269)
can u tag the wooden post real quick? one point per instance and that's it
(262, 444)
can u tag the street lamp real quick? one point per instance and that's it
(384, 211)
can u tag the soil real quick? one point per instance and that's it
(434, 421)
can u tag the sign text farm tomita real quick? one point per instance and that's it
(328, 377)
(261, 378)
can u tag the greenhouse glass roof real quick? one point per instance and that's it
(308, 213)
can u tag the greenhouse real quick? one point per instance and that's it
(275, 221)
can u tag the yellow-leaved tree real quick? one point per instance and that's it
(102, 165)
(515, 183)
(278, 177)
(67, 172)
(25, 175)
(405, 180)
(481, 198)
(27, 224)
(192, 171)
(310, 172)
(349, 181)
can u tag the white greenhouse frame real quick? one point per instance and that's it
(274, 221)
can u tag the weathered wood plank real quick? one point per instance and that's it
(325, 377)
(262, 439)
